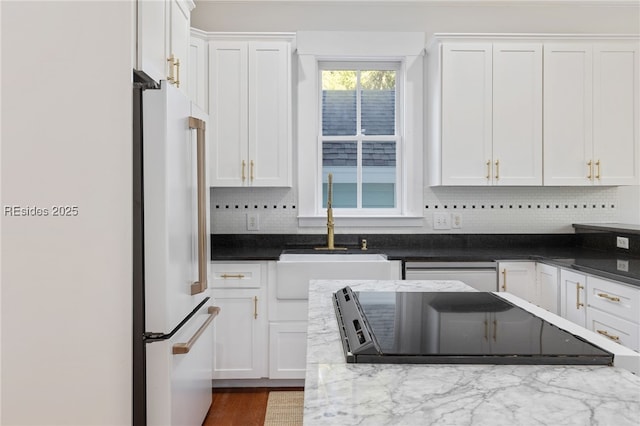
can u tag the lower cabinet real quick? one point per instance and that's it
(609, 308)
(240, 335)
(287, 350)
(518, 278)
(547, 287)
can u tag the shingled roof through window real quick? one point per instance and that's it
(339, 119)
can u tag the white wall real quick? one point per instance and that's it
(66, 281)
(279, 215)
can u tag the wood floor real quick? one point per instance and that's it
(239, 406)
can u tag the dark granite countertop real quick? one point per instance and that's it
(622, 228)
(556, 249)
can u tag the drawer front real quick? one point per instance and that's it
(617, 299)
(618, 330)
(236, 275)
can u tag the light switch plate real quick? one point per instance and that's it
(253, 222)
(441, 220)
(622, 242)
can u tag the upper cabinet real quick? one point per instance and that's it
(490, 98)
(591, 113)
(491, 114)
(250, 106)
(163, 40)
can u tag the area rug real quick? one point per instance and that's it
(284, 408)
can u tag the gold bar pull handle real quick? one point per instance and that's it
(171, 60)
(177, 65)
(255, 307)
(598, 170)
(504, 279)
(578, 288)
(608, 297)
(184, 348)
(486, 330)
(488, 169)
(610, 336)
(497, 169)
(495, 330)
(238, 276)
(199, 125)
(244, 166)
(251, 170)
(590, 166)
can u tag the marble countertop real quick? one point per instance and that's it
(394, 394)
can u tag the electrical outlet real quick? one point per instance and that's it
(253, 222)
(622, 242)
(622, 265)
(441, 221)
(456, 220)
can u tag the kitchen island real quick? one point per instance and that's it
(445, 394)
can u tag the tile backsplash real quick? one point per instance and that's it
(481, 210)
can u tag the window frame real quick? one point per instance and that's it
(359, 138)
(408, 48)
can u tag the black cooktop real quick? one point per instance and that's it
(452, 328)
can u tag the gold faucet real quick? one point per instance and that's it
(330, 221)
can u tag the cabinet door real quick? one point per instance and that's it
(614, 328)
(287, 350)
(615, 117)
(269, 114)
(466, 114)
(617, 299)
(240, 349)
(517, 114)
(151, 39)
(198, 66)
(547, 287)
(228, 155)
(568, 105)
(518, 278)
(178, 40)
(573, 296)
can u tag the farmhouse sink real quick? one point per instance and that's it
(295, 270)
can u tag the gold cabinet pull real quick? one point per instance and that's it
(504, 279)
(244, 166)
(251, 171)
(185, 348)
(172, 61)
(598, 170)
(608, 297)
(255, 307)
(497, 169)
(177, 64)
(578, 288)
(488, 169)
(202, 190)
(495, 330)
(486, 330)
(590, 166)
(610, 336)
(238, 276)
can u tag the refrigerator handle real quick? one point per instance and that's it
(201, 285)
(184, 348)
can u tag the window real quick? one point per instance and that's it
(375, 153)
(359, 135)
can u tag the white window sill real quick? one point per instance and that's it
(361, 221)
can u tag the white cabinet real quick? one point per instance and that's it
(198, 70)
(591, 113)
(573, 296)
(250, 105)
(609, 308)
(163, 39)
(491, 114)
(547, 288)
(518, 278)
(287, 350)
(614, 311)
(240, 336)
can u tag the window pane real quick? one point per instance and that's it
(378, 102)
(341, 159)
(338, 103)
(378, 174)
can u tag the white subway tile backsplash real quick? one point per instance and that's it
(482, 210)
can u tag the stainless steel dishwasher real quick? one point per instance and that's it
(480, 275)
